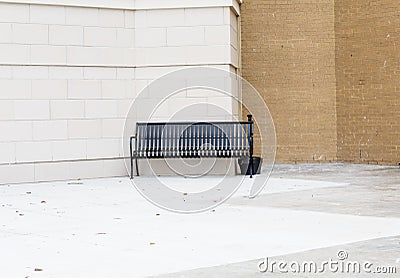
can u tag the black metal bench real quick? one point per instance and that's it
(192, 140)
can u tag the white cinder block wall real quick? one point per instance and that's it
(69, 71)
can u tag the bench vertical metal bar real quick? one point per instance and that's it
(216, 135)
(182, 136)
(140, 141)
(221, 136)
(199, 138)
(226, 132)
(212, 139)
(190, 139)
(155, 141)
(144, 147)
(159, 137)
(162, 140)
(232, 139)
(147, 141)
(171, 134)
(229, 140)
(242, 127)
(148, 153)
(190, 134)
(242, 130)
(162, 135)
(175, 146)
(224, 137)
(175, 150)
(187, 142)
(217, 139)
(196, 142)
(194, 128)
(187, 136)
(131, 156)
(208, 141)
(193, 140)
(139, 138)
(171, 139)
(167, 142)
(221, 139)
(137, 142)
(217, 131)
(178, 140)
(237, 130)
(166, 128)
(203, 139)
(251, 125)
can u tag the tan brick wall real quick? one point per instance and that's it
(368, 81)
(288, 54)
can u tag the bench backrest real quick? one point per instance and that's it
(182, 139)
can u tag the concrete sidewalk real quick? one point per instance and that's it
(105, 228)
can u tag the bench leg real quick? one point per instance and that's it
(251, 166)
(131, 168)
(131, 157)
(137, 166)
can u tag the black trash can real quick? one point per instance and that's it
(245, 167)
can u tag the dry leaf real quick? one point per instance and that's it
(75, 183)
(152, 243)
